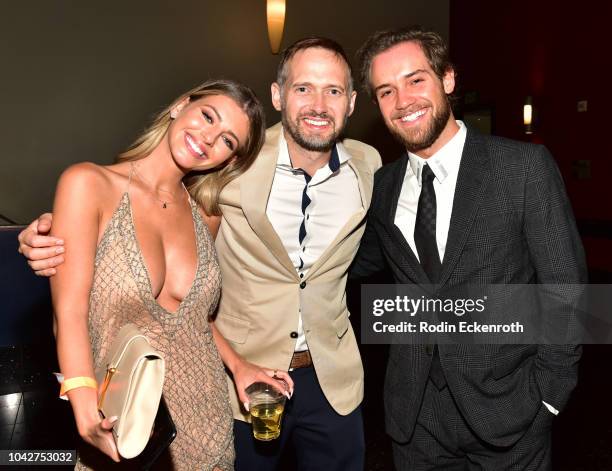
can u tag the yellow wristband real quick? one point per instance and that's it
(77, 382)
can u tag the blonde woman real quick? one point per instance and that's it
(140, 251)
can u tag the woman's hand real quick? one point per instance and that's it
(98, 433)
(246, 373)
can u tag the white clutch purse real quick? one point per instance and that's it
(131, 388)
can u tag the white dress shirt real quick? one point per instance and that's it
(445, 166)
(311, 209)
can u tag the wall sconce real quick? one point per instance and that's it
(528, 115)
(276, 23)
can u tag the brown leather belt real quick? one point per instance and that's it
(301, 359)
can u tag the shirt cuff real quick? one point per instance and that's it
(551, 408)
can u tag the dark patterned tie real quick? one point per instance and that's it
(427, 247)
(425, 227)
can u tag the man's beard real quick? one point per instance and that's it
(309, 142)
(430, 134)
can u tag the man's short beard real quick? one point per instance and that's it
(438, 123)
(313, 143)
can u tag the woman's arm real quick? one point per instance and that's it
(246, 373)
(243, 372)
(77, 212)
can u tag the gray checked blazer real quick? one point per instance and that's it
(511, 223)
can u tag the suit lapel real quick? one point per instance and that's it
(469, 193)
(364, 177)
(255, 188)
(415, 269)
(365, 181)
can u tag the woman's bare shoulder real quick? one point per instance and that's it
(89, 173)
(85, 176)
(91, 181)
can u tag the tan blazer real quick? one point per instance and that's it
(262, 293)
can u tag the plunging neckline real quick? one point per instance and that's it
(142, 262)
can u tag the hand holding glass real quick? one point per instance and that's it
(266, 405)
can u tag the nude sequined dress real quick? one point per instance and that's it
(195, 387)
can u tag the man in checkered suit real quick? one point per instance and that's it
(460, 208)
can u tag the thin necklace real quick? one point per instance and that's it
(153, 192)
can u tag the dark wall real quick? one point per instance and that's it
(80, 79)
(25, 310)
(557, 53)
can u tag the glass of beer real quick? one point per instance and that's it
(266, 405)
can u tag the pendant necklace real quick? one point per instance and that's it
(164, 203)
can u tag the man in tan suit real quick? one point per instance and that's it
(291, 226)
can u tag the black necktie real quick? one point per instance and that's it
(425, 227)
(425, 241)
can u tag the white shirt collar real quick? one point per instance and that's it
(444, 162)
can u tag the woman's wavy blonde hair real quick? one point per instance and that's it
(205, 187)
